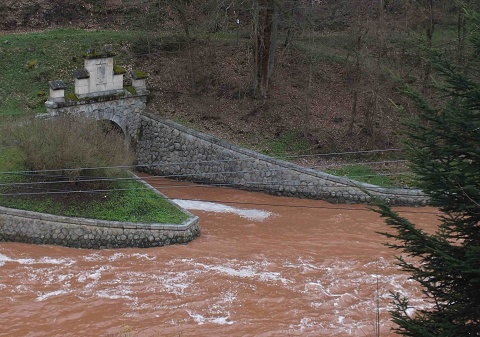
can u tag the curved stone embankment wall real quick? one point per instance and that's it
(167, 148)
(39, 228)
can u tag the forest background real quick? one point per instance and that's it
(286, 76)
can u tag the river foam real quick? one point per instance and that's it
(250, 214)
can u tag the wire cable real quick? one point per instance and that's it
(67, 179)
(103, 191)
(262, 187)
(118, 179)
(216, 161)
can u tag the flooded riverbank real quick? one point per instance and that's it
(263, 266)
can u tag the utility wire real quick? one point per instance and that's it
(184, 175)
(209, 161)
(363, 163)
(261, 188)
(260, 185)
(286, 183)
(101, 179)
(102, 191)
(371, 188)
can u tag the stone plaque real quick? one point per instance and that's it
(101, 71)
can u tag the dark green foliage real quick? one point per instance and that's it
(444, 149)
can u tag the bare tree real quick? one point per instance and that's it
(429, 26)
(356, 75)
(265, 42)
(461, 35)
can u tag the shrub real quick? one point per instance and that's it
(70, 147)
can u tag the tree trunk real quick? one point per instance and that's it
(181, 10)
(273, 39)
(429, 34)
(354, 112)
(356, 82)
(290, 23)
(264, 31)
(461, 35)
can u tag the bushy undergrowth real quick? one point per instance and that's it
(67, 146)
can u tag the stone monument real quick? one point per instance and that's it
(100, 93)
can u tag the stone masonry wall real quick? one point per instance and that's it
(31, 227)
(38, 228)
(124, 111)
(167, 148)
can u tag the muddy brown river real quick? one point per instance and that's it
(263, 266)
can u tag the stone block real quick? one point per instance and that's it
(117, 82)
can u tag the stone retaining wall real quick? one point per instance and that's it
(47, 229)
(167, 148)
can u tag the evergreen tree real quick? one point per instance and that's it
(443, 146)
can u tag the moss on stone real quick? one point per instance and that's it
(139, 75)
(92, 54)
(117, 70)
(70, 96)
(131, 89)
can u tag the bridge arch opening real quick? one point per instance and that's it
(109, 126)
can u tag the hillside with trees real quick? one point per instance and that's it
(316, 76)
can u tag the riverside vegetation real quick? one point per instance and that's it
(443, 143)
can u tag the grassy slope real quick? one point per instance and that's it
(131, 202)
(127, 201)
(29, 60)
